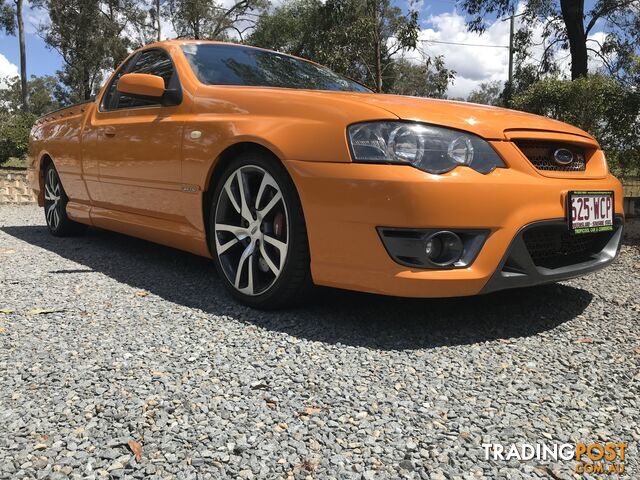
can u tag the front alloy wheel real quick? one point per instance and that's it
(258, 233)
(251, 230)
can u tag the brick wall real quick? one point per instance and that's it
(14, 186)
(632, 206)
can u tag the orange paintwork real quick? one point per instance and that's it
(140, 172)
(141, 84)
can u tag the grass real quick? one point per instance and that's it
(15, 162)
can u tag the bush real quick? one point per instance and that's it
(14, 134)
(598, 104)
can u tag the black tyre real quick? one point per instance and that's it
(257, 233)
(55, 206)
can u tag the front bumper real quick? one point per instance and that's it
(345, 203)
(519, 268)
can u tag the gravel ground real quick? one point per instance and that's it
(106, 339)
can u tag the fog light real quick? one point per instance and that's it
(444, 248)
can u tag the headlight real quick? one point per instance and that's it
(429, 148)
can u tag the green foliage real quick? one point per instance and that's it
(7, 17)
(14, 134)
(90, 37)
(293, 28)
(41, 98)
(15, 125)
(209, 20)
(357, 38)
(489, 93)
(565, 28)
(598, 104)
(427, 79)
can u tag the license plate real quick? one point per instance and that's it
(590, 212)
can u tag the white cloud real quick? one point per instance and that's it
(35, 18)
(7, 71)
(487, 58)
(473, 64)
(166, 29)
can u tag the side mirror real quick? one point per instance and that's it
(141, 85)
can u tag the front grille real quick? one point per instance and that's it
(540, 154)
(554, 247)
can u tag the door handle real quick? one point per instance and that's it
(109, 132)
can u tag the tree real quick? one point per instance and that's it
(155, 12)
(14, 134)
(389, 32)
(89, 35)
(358, 38)
(147, 25)
(426, 79)
(206, 19)
(10, 18)
(40, 91)
(598, 104)
(15, 123)
(489, 93)
(566, 23)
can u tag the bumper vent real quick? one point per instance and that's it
(554, 247)
(544, 252)
(541, 155)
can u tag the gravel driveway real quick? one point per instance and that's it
(106, 339)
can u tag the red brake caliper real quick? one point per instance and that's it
(278, 225)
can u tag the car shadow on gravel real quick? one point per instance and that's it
(333, 316)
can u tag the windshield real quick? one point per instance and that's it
(219, 64)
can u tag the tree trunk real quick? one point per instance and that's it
(86, 84)
(573, 16)
(378, 68)
(23, 58)
(158, 20)
(378, 48)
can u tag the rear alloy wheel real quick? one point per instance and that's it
(259, 235)
(55, 206)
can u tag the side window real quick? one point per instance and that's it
(108, 99)
(153, 62)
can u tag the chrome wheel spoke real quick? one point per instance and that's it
(272, 203)
(56, 218)
(267, 181)
(241, 263)
(268, 261)
(240, 232)
(48, 194)
(221, 248)
(232, 199)
(249, 288)
(244, 207)
(281, 246)
(50, 211)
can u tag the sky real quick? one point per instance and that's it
(440, 21)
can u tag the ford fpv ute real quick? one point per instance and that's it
(288, 175)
